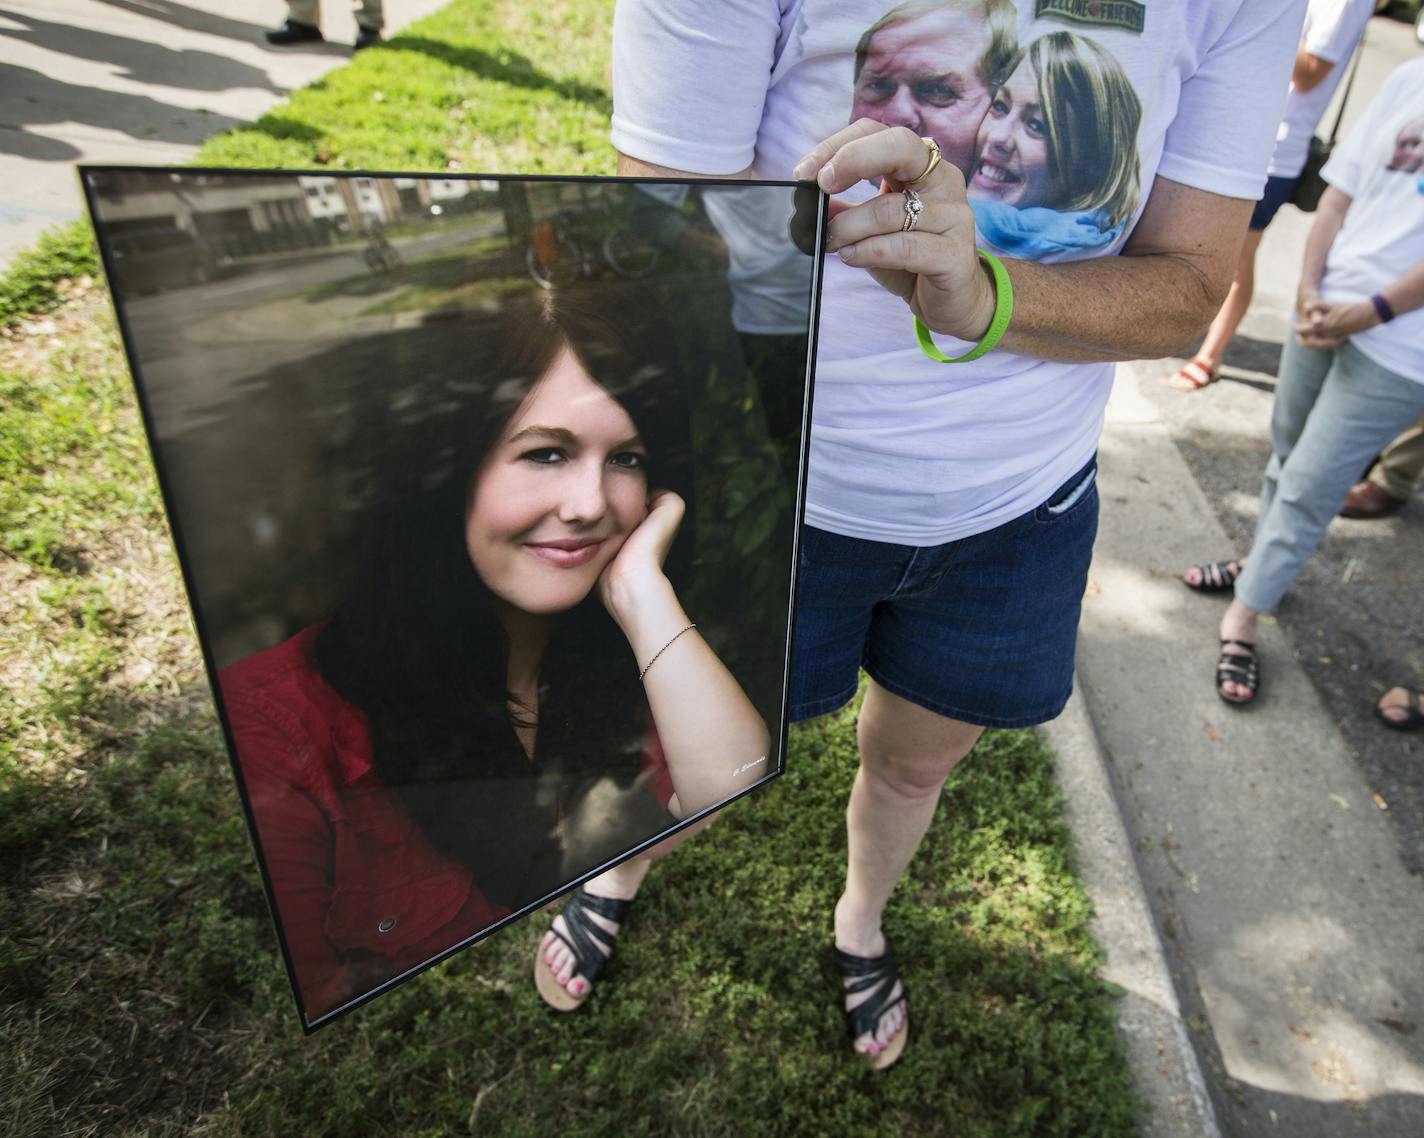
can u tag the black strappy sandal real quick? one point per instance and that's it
(590, 943)
(877, 975)
(1234, 668)
(1413, 713)
(1216, 576)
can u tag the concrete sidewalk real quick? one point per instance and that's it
(139, 81)
(1253, 899)
(1293, 929)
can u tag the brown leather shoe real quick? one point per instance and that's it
(1366, 500)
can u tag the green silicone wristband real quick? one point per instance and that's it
(1003, 310)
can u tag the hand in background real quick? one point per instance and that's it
(1326, 324)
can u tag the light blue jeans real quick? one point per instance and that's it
(1334, 411)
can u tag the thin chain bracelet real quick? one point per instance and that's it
(663, 649)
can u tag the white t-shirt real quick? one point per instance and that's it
(1380, 164)
(1332, 29)
(902, 449)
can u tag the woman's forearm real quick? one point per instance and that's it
(714, 741)
(1329, 216)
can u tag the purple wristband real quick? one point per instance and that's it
(1382, 308)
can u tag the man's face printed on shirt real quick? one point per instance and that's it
(1408, 156)
(1055, 129)
(924, 74)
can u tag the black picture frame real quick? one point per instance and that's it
(274, 321)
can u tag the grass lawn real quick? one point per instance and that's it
(140, 991)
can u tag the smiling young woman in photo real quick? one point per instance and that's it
(1060, 137)
(510, 642)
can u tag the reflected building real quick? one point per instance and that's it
(208, 207)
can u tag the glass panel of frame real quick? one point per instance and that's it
(486, 492)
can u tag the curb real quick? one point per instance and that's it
(1166, 1075)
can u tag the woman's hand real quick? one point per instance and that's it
(638, 566)
(934, 268)
(1307, 297)
(1323, 324)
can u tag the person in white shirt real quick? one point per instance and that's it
(951, 509)
(1332, 31)
(1352, 372)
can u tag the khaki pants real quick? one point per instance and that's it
(1399, 467)
(368, 12)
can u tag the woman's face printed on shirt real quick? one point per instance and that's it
(558, 494)
(1011, 157)
(923, 73)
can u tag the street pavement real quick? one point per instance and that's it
(139, 81)
(1278, 846)
(1258, 906)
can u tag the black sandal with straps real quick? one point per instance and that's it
(878, 976)
(590, 943)
(1234, 668)
(1215, 576)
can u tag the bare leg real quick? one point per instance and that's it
(1233, 309)
(1238, 300)
(906, 753)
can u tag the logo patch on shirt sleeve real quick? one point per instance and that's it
(1129, 14)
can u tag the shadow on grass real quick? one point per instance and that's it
(506, 67)
(146, 995)
(135, 925)
(279, 126)
(720, 1014)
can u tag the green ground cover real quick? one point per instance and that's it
(140, 992)
(28, 286)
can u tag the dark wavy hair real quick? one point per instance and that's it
(415, 643)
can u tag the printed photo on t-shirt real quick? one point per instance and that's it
(1044, 130)
(1407, 156)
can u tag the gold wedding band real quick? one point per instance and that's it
(933, 147)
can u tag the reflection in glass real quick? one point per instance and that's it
(452, 462)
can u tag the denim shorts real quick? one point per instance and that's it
(1277, 192)
(981, 629)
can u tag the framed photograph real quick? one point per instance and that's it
(486, 492)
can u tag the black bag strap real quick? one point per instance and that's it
(1350, 82)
